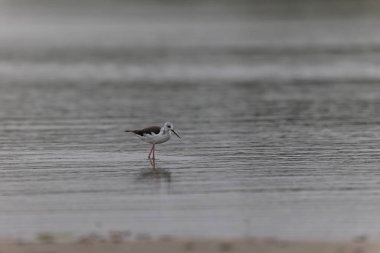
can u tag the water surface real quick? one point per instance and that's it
(278, 113)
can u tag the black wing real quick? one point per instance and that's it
(148, 130)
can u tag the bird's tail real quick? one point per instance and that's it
(129, 131)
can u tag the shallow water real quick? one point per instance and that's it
(279, 118)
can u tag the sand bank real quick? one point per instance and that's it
(116, 244)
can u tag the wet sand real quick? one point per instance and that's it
(115, 244)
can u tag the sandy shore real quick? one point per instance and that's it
(116, 244)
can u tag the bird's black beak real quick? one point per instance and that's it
(175, 133)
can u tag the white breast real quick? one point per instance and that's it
(156, 138)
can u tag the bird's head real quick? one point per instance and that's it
(169, 127)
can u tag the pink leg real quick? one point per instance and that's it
(154, 156)
(151, 150)
(152, 163)
(152, 159)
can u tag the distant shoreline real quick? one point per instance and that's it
(116, 242)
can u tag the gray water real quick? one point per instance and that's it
(278, 107)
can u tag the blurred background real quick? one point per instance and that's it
(278, 104)
(177, 40)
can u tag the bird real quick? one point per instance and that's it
(155, 135)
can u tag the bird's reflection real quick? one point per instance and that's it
(157, 174)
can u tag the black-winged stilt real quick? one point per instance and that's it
(155, 135)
